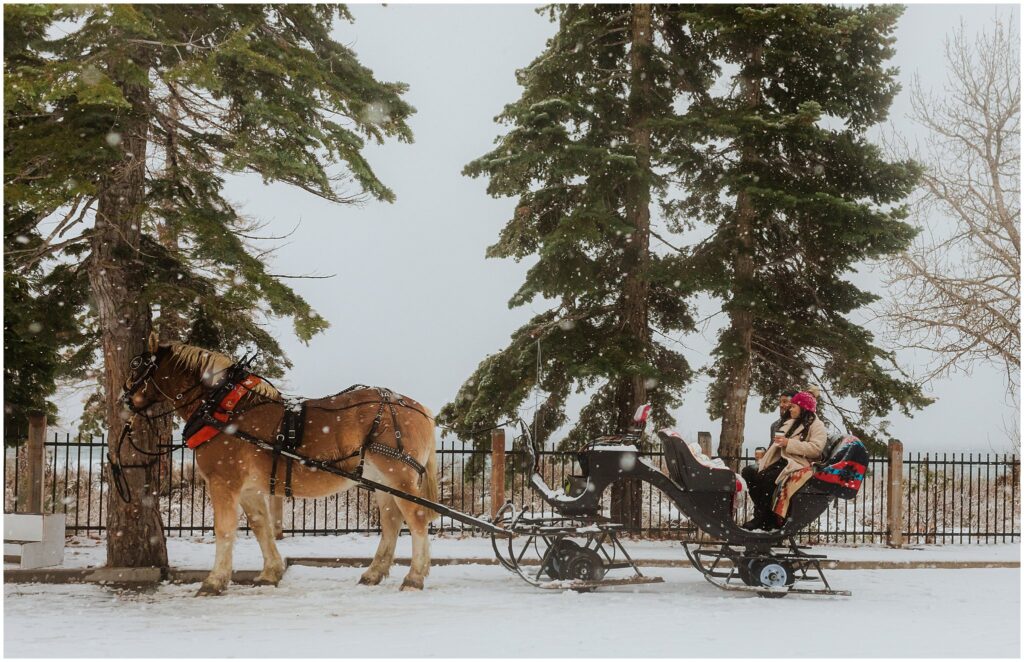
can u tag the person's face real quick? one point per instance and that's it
(759, 453)
(783, 404)
(795, 410)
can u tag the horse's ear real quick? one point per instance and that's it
(154, 342)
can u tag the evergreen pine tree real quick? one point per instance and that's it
(584, 157)
(46, 337)
(201, 90)
(796, 196)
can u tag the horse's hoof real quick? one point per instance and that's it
(263, 581)
(371, 579)
(208, 590)
(412, 584)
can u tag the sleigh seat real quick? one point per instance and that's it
(689, 471)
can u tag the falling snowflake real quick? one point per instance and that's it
(91, 75)
(627, 461)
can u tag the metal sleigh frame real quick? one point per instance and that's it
(768, 563)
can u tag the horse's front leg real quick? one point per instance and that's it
(225, 499)
(254, 503)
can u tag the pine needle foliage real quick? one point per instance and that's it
(219, 90)
(781, 170)
(585, 155)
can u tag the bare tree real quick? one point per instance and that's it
(956, 291)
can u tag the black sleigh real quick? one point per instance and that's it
(578, 546)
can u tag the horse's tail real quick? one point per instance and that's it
(430, 487)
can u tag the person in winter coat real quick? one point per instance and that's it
(784, 401)
(799, 441)
(748, 472)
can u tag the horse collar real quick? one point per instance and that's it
(206, 422)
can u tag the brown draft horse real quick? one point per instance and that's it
(238, 472)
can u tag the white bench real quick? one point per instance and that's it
(34, 540)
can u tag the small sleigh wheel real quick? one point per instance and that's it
(586, 565)
(774, 574)
(557, 566)
(743, 569)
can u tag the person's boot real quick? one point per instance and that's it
(758, 521)
(752, 524)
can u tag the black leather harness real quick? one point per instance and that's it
(388, 400)
(288, 438)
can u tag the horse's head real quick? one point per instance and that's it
(145, 372)
(180, 375)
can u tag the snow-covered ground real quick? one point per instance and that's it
(478, 610)
(198, 552)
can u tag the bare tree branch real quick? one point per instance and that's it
(957, 288)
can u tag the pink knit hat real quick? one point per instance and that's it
(805, 400)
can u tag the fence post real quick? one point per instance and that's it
(704, 440)
(277, 515)
(497, 470)
(894, 494)
(30, 498)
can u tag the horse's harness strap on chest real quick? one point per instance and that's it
(288, 438)
(208, 421)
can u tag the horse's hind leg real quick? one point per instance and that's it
(225, 522)
(417, 518)
(254, 504)
(390, 525)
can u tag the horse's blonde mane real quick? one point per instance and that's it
(207, 362)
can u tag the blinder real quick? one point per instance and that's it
(146, 361)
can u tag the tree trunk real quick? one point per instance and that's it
(627, 497)
(135, 536)
(741, 317)
(172, 324)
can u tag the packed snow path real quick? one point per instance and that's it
(477, 610)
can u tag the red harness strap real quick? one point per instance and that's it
(224, 411)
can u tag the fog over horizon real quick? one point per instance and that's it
(414, 304)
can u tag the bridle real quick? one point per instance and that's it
(149, 360)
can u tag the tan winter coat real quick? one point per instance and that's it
(798, 453)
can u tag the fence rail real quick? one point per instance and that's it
(947, 498)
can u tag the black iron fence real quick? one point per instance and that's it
(947, 497)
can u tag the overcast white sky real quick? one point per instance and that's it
(415, 305)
